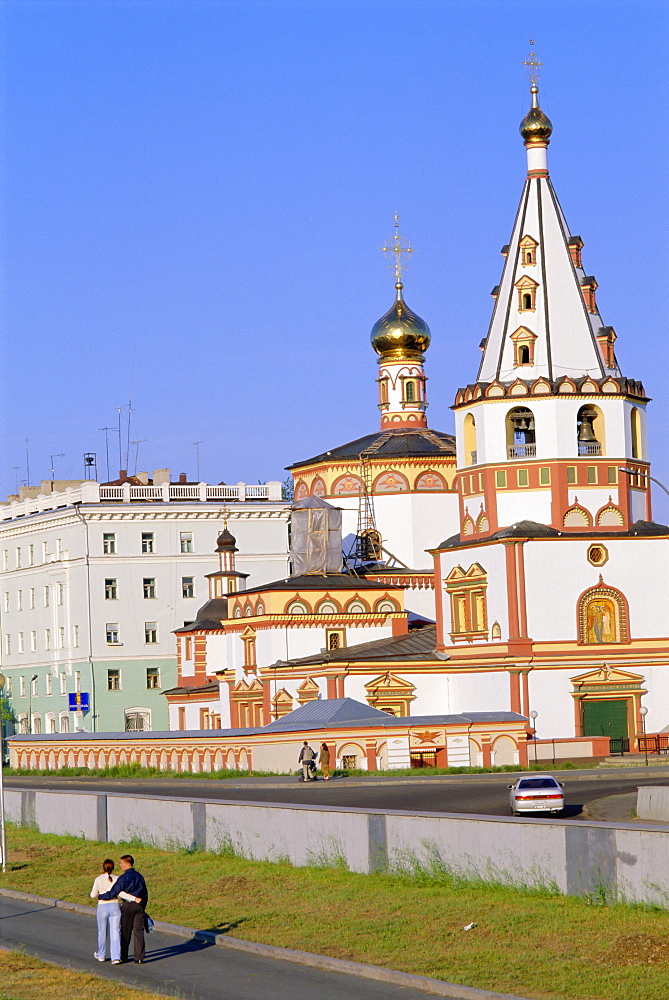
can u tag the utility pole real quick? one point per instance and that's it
(106, 430)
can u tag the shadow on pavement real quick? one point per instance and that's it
(183, 948)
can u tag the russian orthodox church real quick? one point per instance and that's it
(540, 593)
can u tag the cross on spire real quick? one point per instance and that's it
(401, 249)
(533, 64)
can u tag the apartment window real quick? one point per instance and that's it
(63, 685)
(592, 474)
(45, 551)
(64, 723)
(59, 594)
(8, 686)
(47, 638)
(109, 543)
(33, 642)
(112, 633)
(33, 687)
(19, 600)
(147, 542)
(5, 601)
(20, 642)
(152, 678)
(23, 723)
(51, 723)
(77, 680)
(571, 474)
(5, 560)
(613, 475)
(49, 688)
(113, 680)
(187, 586)
(31, 555)
(111, 589)
(59, 548)
(37, 724)
(46, 596)
(22, 686)
(150, 632)
(149, 587)
(31, 598)
(8, 644)
(522, 477)
(500, 478)
(188, 647)
(61, 637)
(186, 541)
(544, 477)
(75, 636)
(18, 557)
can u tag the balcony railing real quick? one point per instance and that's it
(589, 448)
(522, 451)
(92, 492)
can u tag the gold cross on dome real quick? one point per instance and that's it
(400, 248)
(533, 63)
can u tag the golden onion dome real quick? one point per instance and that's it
(536, 127)
(400, 333)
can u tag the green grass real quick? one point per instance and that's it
(529, 941)
(137, 771)
(25, 978)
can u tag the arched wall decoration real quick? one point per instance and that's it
(603, 616)
(301, 490)
(482, 522)
(467, 525)
(577, 517)
(610, 515)
(348, 485)
(430, 481)
(318, 487)
(297, 608)
(390, 482)
(328, 607)
(386, 606)
(357, 607)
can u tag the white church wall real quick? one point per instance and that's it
(657, 699)
(421, 601)
(550, 697)
(637, 505)
(492, 559)
(217, 652)
(432, 695)
(479, 692)
(592, 498)
(530, 505)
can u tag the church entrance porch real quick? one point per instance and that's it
(606, 718)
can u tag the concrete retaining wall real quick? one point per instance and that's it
(579, 858)
(652, 803)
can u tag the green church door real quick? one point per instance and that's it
(605, 718)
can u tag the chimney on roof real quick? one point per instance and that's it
(161, 476)
(183, 478)
(143, 478)
(123, 474)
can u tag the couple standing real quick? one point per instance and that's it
(307, 760)
(121, 922)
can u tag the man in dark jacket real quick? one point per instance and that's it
(306, 757)
(132, 913)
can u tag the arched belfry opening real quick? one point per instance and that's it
(520, 433)
(590, 430)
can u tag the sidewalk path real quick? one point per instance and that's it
(194, 969)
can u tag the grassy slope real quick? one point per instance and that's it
(25, 978)
(532, 943)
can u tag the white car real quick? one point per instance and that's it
(537, 794)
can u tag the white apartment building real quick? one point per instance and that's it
(94, 580)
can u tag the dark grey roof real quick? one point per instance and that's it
(326, 712)
(333, 581)
(532, 529)
(416, 645)
(209, 616)
(211, 688)
(419, 441)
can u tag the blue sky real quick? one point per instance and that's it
(195, 194)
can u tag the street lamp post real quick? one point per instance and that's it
(643, 712)
(3, 839)
(533, 716)
(30, 703)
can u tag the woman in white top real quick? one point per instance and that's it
(109, 914)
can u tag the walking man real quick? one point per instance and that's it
(305, 759)
(132, 912)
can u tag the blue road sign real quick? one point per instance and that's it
(79, 701)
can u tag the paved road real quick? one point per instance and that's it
(478, 794)
(187, 969)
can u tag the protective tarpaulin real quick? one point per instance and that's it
(315, 546)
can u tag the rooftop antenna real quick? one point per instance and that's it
(26, 442)
(106, 430)
(137, 444)
(127, 445)
(197, 460)
(90, 465)
(53, 471)
(120, 452)
(16, 476)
